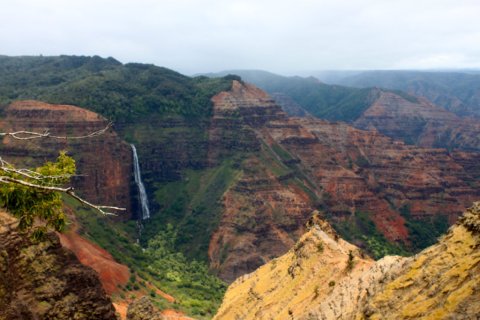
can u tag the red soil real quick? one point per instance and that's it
(111, 273)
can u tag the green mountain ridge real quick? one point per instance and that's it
(457, 91)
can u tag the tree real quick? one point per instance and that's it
(36, 194)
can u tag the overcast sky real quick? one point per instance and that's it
(280, 36)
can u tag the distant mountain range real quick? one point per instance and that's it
(456, 91)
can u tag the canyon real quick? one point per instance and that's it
(285, 168)
(307, 164)
(232, 179)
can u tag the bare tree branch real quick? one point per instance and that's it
(28, 135)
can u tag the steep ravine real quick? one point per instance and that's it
(236, 189)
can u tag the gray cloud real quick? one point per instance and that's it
(281, 36)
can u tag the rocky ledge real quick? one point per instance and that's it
(45, 281)
(324, 277)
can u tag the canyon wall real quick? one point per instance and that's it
(307, 164)
(104, 162)
(418, 121)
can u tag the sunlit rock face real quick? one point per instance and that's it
(324, 277)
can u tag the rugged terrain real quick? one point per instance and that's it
(372, 187)
(231, 178)
(240, 186)
(418, 121)
(45, 281)
(324, 277)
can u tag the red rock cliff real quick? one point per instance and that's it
(104, 163)
(298, 165)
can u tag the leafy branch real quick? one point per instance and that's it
(32, 194)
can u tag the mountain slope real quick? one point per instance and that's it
(330, 102)
(458, 92)
(417, 121)
(233, 181)
(105, 182)
(120, 92)
(324, 277)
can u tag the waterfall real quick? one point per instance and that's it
(141, 187)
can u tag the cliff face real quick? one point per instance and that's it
(365, 171)
(417, 121)
(45, 281)
(104, 163)
(262, 211)
(294, 165)
(439, 283)
(324, 277)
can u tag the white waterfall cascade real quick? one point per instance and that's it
(141, 187)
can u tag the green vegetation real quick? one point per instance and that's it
(331, 102)
(193, 205)
(360, 230)
(121, 93)
(139, 98)
(350, 261)
(31, 205)
(196, 292)
(454, 91)
(424, 232)
(320, 247)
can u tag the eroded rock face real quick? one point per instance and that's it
(262, 215)
(263, 211)
(104, 163)
(417, 121)
(297, 165)
(365, 171)
(46, 281)
(439, 283)
(142, 309)
(323, 277)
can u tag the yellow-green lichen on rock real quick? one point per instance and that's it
(441, 282)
